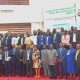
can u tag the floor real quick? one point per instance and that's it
(29, 78)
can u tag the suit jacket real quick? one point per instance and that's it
(78, 61)
(41, 40)
(44, 55)
(7, 40)
(13, 56)
(25, 56)
(3, 56)
(49, 41)
(71, 38)
(19, 41)
(61, 53)
(19, 55)
(57, 39)
(1, 44)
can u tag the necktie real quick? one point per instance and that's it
(6, 55)
(60, 50)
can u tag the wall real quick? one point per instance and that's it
(36, 26)
(32, 13)
(21, 13)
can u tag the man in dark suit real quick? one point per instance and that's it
(56, 38)
(7, 40)
(40, 40)
(13, 60)
(1, 46)
(21, 40)
(6, 60)
(19, 56)
(61, 55)
(48, 39)
(74, 37)
(1, 64)
(77, 58)
(28, 60)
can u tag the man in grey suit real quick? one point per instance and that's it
(27, 59)
(44, 60)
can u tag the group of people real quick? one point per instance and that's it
(26, 55)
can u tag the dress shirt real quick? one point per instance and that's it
(74, 37)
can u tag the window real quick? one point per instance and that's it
(14, 2)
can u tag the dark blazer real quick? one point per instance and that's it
(78, 61)
(61, 55)
(19, 41)
(77, 38)
(25, 56)
(50, 40)
(40, 40)
(3, 56)
(2, 44)
(57, 40)
(8, 39)
(19, 55)
(13, 56)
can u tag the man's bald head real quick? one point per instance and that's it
(78, 46)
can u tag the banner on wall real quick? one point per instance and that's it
(59, 17)
(78, 15)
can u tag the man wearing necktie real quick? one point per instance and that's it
(77, 58)
(21, 40)
(27, 59)
(19, 60)
(13, 60)
(6, 60)
(61, 55)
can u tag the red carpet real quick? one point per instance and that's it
(26, 78)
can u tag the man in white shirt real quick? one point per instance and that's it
(6, 60)
(15, 39)
(34, 38)
(74, 37)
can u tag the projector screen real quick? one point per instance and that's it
(14, 2)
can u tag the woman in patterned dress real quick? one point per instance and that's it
(36, 61)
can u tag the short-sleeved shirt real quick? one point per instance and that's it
(52, 55)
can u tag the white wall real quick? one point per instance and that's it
(36, 26)
(22, 13)
(31, 13)
(18, 14)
